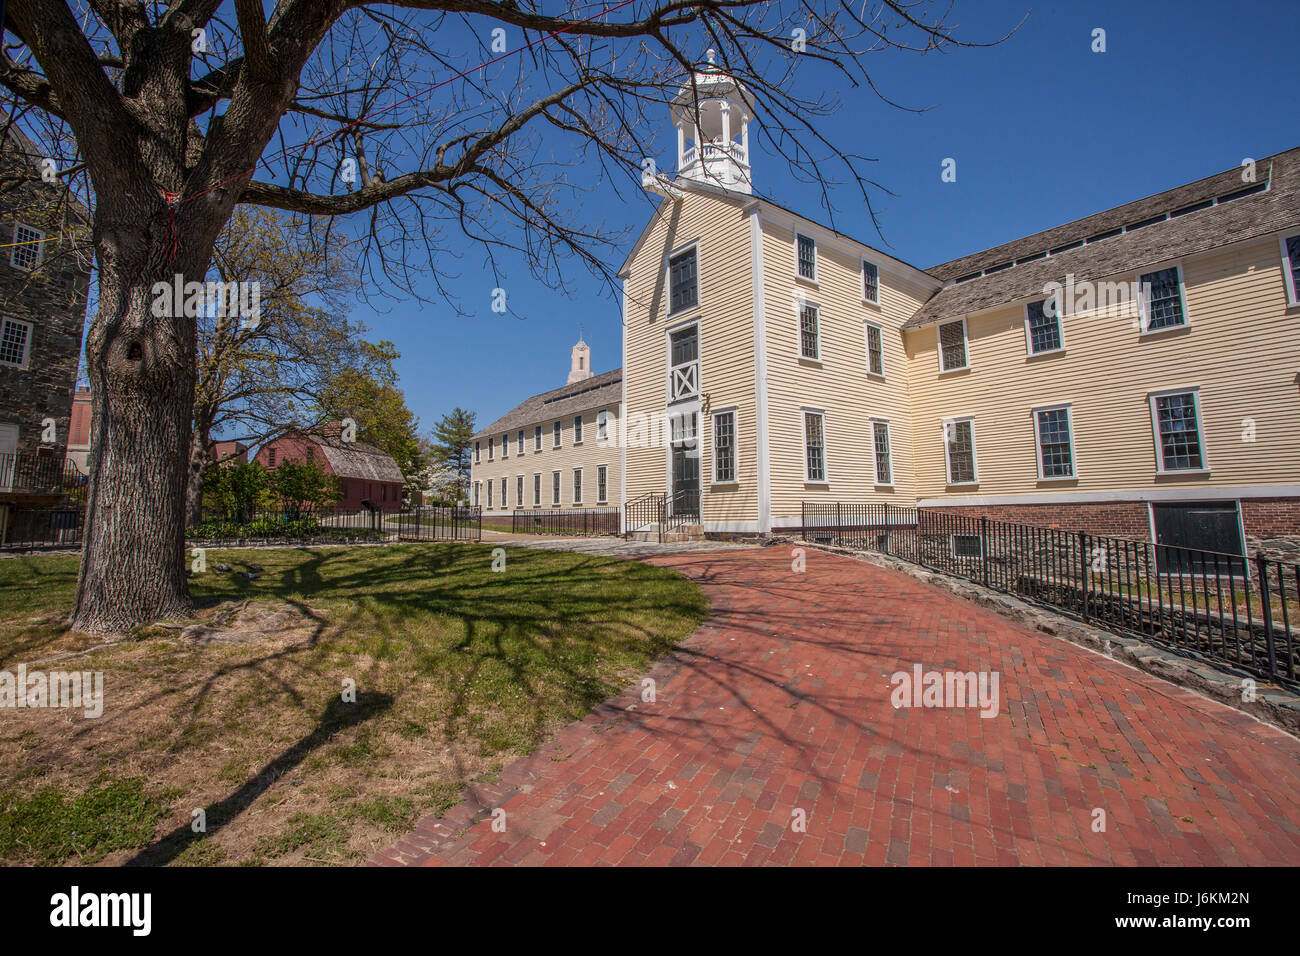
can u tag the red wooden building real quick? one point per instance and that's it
(364, 472)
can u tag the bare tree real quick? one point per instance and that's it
(172, 113)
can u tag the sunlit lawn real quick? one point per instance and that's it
(457, 669)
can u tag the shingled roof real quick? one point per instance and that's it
(357, 459)
(595, 392)
(1189, 219)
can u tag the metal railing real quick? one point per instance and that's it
(440, 524)
(664, 512)
(681, 509)
(576, 521)
(37, 529)
(643, 512)
(1217, 606)
(23, 473)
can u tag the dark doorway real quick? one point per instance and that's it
(1188, 536)
(686, 464)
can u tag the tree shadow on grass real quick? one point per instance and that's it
(338, 716)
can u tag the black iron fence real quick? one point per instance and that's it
(576, 521)
(1225, 607)
(440, 524)
(22, 473)
(40, 529)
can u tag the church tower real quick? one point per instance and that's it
(713, 144)
(579, 361)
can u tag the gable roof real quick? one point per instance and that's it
(1178, 222)
(744, 201)
(357, 459)
(595, 392)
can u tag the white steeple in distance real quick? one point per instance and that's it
(713, 144)
(579, 361)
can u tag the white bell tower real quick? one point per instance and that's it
(713, 145)
(579, 361)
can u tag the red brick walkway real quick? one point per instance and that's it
(780, 706)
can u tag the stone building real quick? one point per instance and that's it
(43, 289)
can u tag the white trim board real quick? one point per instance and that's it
(1197, 493)
(762, 453)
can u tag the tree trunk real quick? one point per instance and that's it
(198, 466)
(141, 368)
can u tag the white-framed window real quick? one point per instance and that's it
(577, 429)
(577, 486)
(478, 452)
(883, 452)
(814, 446)
(805, 257)
(1176, 424)
(875, 350)
(724, 446)
(29, 247)
(1043, 327)
(491, 447)
(489, 493)
(870, 282)
(555, 487)
(959, 451)
(477, 485)
(683, 363)
(1054, 438)
(602, 425)
(15, 343)
(1291, 267)
(519, 491)
(557, 434)
(505, 446)
(537, 438)
(810, 339)
(537, 489)
(505, 487)
(602, 484)
(519, 442)
(952, 346)
(1161, 304)
(683, 280)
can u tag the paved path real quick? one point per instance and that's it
(779, 709)
(609, 545)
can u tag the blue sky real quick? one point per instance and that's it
(1043, 131)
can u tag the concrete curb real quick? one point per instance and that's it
(1273, 704)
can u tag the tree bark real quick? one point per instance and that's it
(141, 368)
(198, 465)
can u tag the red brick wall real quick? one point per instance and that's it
(1125, 519)
(1262, 517)
(1269, 517)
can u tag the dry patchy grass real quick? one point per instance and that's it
(457, 669)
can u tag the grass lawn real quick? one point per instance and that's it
(457, 670)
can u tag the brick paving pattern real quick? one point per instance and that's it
(780, 705)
